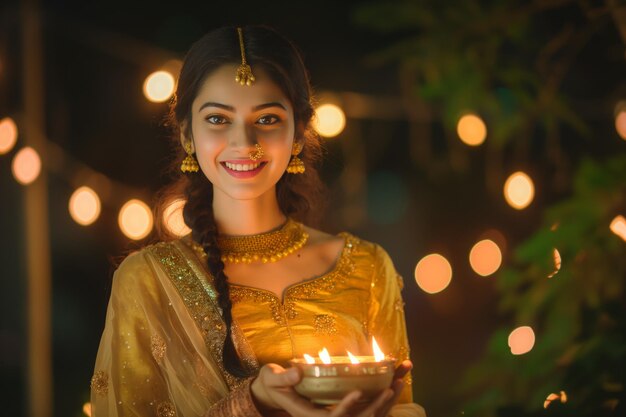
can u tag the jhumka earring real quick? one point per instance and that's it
(244, 72)
(296, 166)
(257, 154)
(189, 163)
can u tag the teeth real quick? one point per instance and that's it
(241, 167)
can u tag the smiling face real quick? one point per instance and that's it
(228, 120)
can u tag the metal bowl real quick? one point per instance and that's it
(329, 383)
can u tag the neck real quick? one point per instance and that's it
(246, 217)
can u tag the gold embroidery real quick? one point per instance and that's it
(166, 409)
(257, 295)
(400, 281)
(158, 347)
(325, 324)
(198, 302)
(399, 304)
(100, 383)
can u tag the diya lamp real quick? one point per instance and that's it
(327, 379)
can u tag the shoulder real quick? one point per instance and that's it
(136, 269)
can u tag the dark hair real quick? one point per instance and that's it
(296, 194)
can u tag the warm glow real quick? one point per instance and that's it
(308, 358)
(84, 206)
(620, 124)
(485, 257)
(159, 86)
(557, 262)
(26, 165)
(173, 218)
(618, 226)
(353, 359)
(87, 409)
(471, 130)
(562, 396)
(433, 273)
(378, 354)
(324, 356)
(521, 340)
(8, 135)
(519, 190)
(330, 120)
(135, 219)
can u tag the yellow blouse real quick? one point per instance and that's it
(160, 352)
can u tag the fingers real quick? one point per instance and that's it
(346, 404)
(276, 376)
(403, 369)
(397, 387)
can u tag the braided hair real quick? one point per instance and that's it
(296, 194)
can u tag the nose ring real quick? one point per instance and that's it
(257, 154)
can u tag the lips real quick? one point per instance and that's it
(243, 168)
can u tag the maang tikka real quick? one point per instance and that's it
(244, 72)
(296, 166)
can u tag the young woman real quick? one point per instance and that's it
(205, 324)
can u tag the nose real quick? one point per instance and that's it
(243, 138)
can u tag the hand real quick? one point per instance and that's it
(273, 391)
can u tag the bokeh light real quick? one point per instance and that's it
(330, 120)
(8, 135)
(173, 218)
(485, 257)
(159, 86)
(433, 273)
(87, 409)
(471, 130)
(522, 340)
(135, 219)
(519, 190)
(84, 206)
(26, 165)
(562, 396)
(620, 119)
(618, 226)
(556, 256)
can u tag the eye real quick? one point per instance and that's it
(269, 119)
(215, 119)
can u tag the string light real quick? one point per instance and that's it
(433, 273)
(135, 219)
(618, 226)
(8, 135)
(84, 206)
(330, 120)
(159, 86)
(26, 165)
(521, 340)
(173, 218)
(471, 130)
(519, 190)
(485, 257)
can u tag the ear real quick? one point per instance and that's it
(184, 139)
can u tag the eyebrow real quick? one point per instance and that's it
(232, 109)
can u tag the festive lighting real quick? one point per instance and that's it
(352, 358)
(173, 218)
(557, 262)
(522, 340)
(87, 409)
(135, 219)
(620, 119)
(84, 206)
(324, 355)
(433, 273)
(378, 354)
(471, 130)
(26, 165)
(159, 86)
(8, 135)
(519, 190)
(308, 358)
(562, 396)
(618, 226)
(330, 120)
(485, 257)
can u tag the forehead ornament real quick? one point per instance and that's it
(244, 72)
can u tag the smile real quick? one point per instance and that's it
(243, 169)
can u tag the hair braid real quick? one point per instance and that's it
(198, 214)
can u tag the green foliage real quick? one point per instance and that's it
(579, 315)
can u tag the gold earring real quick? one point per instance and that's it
(189, 163)
(296, 166)
(257, 154)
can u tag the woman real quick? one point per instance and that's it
(205, 324)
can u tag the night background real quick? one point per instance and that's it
(547, 78)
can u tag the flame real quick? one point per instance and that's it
(378, 354)
(353, 359)
(324, 356)
(309, 358)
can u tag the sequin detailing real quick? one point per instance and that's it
(325, 324)
(257, 295)
(198, 302)
(166, 409)
(158, 347)
(100, 383)
(399, 305)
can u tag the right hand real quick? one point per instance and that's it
(273, 390)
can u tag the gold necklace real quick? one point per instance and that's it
(264, 247)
